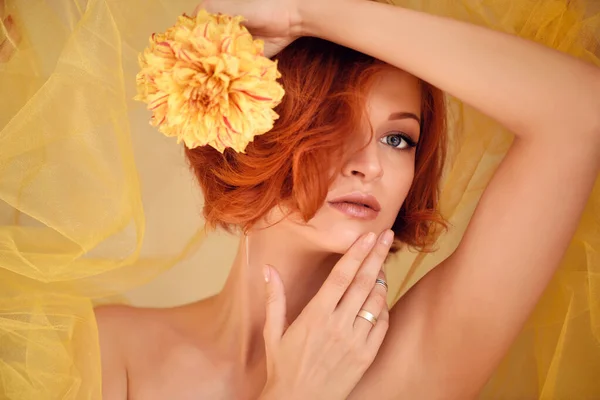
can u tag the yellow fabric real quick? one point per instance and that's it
(74, 210)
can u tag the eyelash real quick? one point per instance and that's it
(409, 142)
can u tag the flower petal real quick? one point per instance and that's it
(206, 82)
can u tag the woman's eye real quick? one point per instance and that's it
(398, 141)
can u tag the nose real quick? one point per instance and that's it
(364, 163)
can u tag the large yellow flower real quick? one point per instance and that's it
(207, 82)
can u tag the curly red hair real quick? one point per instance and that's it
(325, 86)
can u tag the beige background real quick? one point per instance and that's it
(173, 207)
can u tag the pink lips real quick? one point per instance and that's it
(357, 205)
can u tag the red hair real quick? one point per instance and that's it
(324, 102)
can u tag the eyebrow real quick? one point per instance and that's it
(404, 115)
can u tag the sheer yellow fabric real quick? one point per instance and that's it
(74, 207)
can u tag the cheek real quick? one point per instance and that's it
(397, 184)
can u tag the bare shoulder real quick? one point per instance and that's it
(148, 353)
(114, 326)
(127, 337)
(113, 319)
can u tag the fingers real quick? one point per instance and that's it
(378, 332)
(200, 6)
(343, 273)
(375, 304)
(275, 323)
(364, 283)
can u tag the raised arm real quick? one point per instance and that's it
(450, 331)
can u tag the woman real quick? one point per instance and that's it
(90, 208)
(447, 335)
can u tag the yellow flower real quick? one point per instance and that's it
(207, 82)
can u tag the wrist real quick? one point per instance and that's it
(275, 391)
(311, 13)
(271, 393)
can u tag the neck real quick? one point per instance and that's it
(242, 300)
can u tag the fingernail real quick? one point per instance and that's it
(387, 237)
(267, 273)
(369, 240)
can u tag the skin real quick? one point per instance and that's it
(490, 284)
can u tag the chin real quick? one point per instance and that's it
(347, 238)
(329, 233)
(337, 240)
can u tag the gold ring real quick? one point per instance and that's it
(364, 314)
(382, 282)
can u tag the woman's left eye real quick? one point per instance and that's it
(398, 141)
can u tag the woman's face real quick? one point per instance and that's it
(376, 177)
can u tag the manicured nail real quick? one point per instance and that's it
(369, 239)
(267, 273)
(387, 237)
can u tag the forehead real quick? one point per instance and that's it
(394, 90)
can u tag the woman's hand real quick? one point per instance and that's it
(276, 22)
(328, 348)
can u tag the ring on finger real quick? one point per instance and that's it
(382, 282)
(364, 314)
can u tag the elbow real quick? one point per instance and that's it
(575, 109)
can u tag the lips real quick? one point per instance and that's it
(357, 205)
